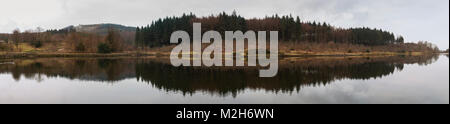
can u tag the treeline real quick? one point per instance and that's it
(290, 30)
(90, 42)
(159, 32)
(36, 37)
(65, 40)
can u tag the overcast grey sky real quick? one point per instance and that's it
(416, 20)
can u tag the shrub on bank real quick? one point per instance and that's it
(37, 44)
(80, 47)
(5, 47)
(104, 48)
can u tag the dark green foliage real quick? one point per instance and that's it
(5, 47)
(402, 51)
(104, 48)
(290, 30)
(400, 40)
(159, 32)
(36, 44)
(367, 36)
(80, 47)
(62, 31)
(229, 23)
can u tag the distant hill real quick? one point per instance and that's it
(101, 29)
(126, 32)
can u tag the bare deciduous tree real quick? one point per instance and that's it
(16, 38)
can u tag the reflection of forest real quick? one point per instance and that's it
(293, 73)
(108, 70)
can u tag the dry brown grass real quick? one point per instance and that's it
(306, 48)
(286, 49)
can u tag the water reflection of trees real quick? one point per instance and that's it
(294, 73)
(226, 81)
(104, 70)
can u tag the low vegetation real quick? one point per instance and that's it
(104, 48)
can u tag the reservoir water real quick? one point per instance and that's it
(300, 80)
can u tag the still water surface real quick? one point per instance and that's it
(395, 79)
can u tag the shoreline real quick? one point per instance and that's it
(17, 55)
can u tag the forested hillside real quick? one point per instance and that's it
(291, 29)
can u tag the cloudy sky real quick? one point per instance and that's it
(414, 19)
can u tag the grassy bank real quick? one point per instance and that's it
(286, 49)
(300, 54)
